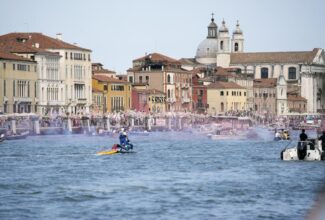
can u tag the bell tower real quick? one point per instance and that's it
(237, 40)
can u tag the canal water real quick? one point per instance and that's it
(172, 175)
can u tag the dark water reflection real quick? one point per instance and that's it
(172, 176)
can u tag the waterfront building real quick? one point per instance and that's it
(148, 100)
(98, 69)
(303, 70)
(49, 86)
(265, 97)
(99, 101)
(117, 93)
(296, 103)
(164, 74)
(74, 70)
(199, 93)
(18, 78)
(225, 96)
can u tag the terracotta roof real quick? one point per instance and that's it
(296, 98)
(188, 61)
(274, 57)
(265, 83)
(9, 56)
(45, 42)
(108, 79)
(157, 57)
(104, 71)
(224, 85)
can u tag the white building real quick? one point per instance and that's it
(64, 70)
(302, 70)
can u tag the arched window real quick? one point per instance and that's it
(221, 45)
(236, 47)
(264, 73)
(222, 107)
(292, 73)
(168, 78)
(168, 93)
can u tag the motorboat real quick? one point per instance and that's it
(309, 150)
(282, 135)
(116, 148)
(2, 137)
(22, 135)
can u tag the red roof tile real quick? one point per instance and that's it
(224, 85)
(45, 42)
(9, 56)
(108, 79)
(157, 57)
(265, 83)
(274, 57)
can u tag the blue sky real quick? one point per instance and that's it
(118, 31)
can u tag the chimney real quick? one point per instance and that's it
(59, 36)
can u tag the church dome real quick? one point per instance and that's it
(208, 48)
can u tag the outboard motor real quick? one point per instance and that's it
(302, 150)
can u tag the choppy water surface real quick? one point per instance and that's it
(172, 176)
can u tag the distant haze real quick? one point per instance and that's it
(119, 31)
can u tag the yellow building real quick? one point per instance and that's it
(226, 96)
(116, 92)
(18, 83)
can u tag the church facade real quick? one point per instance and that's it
(302, 72)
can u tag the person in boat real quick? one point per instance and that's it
(125, 141)
(302, 146)
(322, 138)
(277, 135)
(303, 136)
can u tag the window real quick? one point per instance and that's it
(71, 56)
(292, 73)
(222, 107)
(117, 88)
(4, 87)
(66, 55)
(221, 93)
(105, 88)
(14, 88)
(236, 47)
(4, 65)
(244, 93)
(264, 73)
(168, 78)
(140, 79)
(13, 66)
(221, 45)
(147, 79)
(131, 79)
(168, 93)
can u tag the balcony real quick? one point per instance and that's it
(22, 99)
(186, 100)
(81, 100)
(185, 85)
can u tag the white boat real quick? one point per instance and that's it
(309, 150)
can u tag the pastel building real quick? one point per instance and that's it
(226, 96)
(18, 83)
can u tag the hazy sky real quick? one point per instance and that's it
(118, 31)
